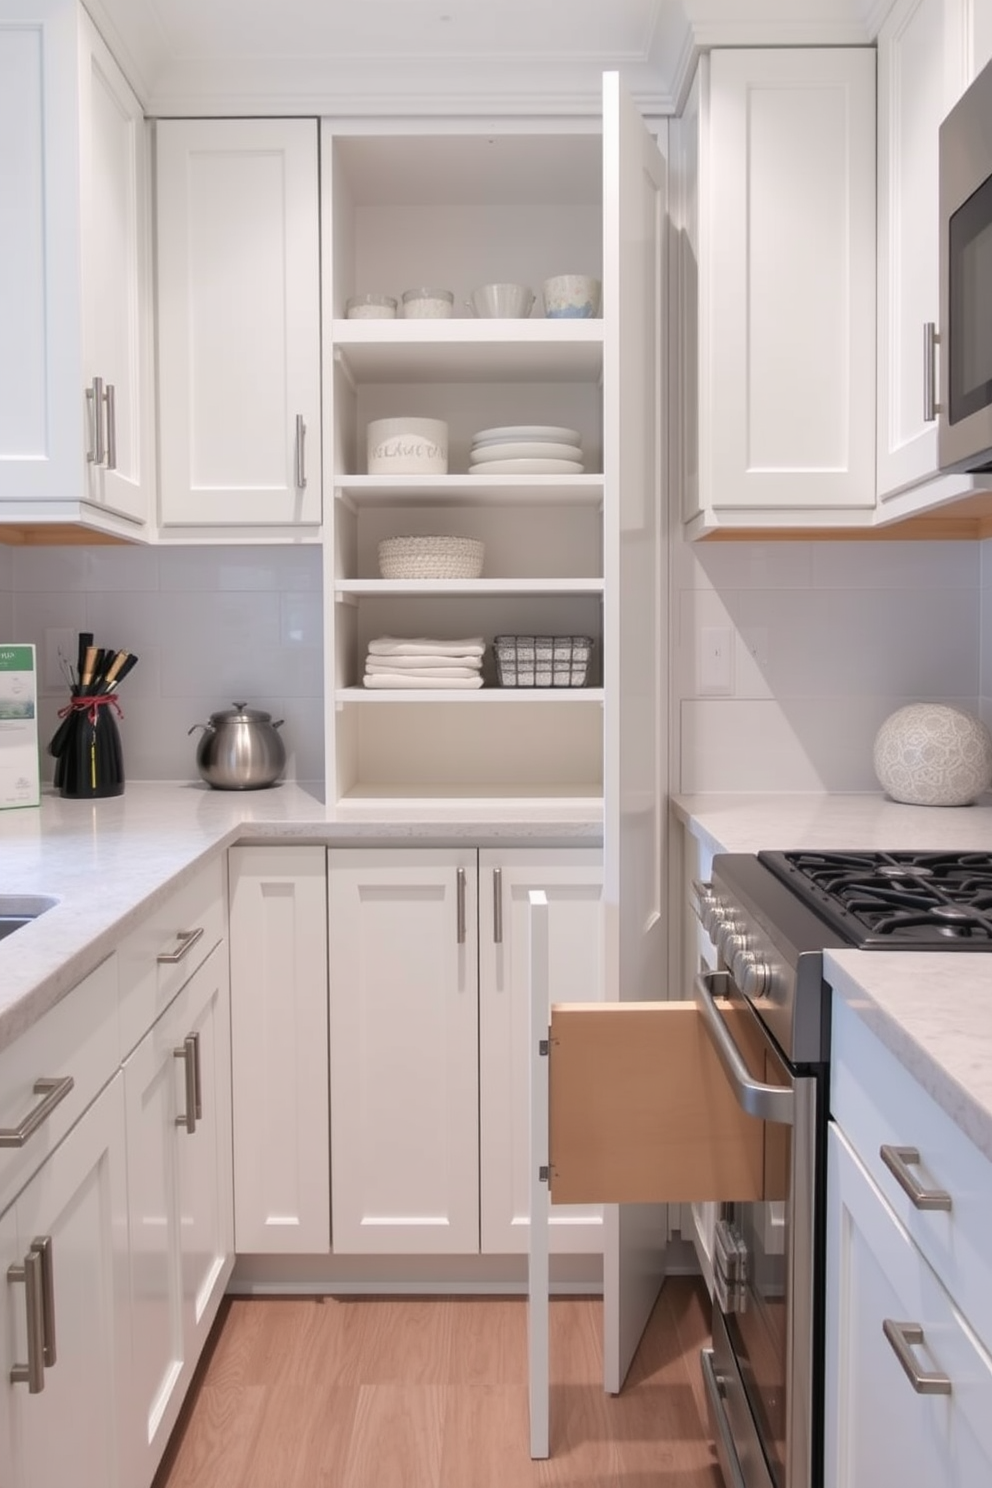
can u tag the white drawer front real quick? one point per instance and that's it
(184, 928)
(78, 1038)
(878, 1103)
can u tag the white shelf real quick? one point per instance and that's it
(469, 350)
(471, 490)
(478, 587)
(474, 696)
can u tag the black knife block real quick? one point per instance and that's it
(89, 761)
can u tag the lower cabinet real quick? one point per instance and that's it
(278, 909)
(178, 1098)
(428, 994)
(64, 1239)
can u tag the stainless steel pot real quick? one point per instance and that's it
(240, 749)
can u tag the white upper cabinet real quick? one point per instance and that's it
(238, 298)
(776, 156)
(928, 52)
(76, 440)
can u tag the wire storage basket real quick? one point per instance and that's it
(542, 661)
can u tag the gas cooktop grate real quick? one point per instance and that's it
(895, 900)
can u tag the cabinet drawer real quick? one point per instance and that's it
(878, 1103)
(640, 1111)
(183, 930)
(77, 1038)
(881, 1427)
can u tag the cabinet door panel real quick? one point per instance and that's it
(239, 314)
(572, 880)
(404, 1051)
(279, 1041)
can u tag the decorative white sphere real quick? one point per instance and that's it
(928, 754)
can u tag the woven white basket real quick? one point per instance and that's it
(430, 558)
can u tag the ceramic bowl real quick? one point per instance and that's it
(571, 296)
(407, 446)
(504, 301)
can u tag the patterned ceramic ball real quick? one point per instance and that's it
(928, 754)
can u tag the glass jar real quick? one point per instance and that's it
(370, 307)
(427, 304)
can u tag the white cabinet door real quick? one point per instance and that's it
(879, 1428)
(572, 879)
(180, 1200)
(279, 1050)
(403, 996)
(785, 276)
(238, 322)
(77, 1204)
(73, 276)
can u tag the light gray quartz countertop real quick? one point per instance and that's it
(109, 862)
(933, 1010)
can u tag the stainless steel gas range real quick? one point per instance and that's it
(771, 917)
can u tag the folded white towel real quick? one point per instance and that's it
(391, 668)
(410, 679)
(425, 646)
(401, 663)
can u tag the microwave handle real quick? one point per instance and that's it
(766, 1102)
(930, 339)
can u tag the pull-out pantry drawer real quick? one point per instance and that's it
(641, 1111)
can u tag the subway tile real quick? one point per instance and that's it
(232, 568)
(896, 565)
(751, 565)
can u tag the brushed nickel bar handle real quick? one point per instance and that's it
(301, 450)
(94, 395)
(187, 940)
(197, 1077)
(930, 404)
(41, 1246)
(460, 901)
(498, 905)
(187, 1053)
(32, 1373)
(111, 400)
(899, 1160)
(51, 1091)
(903, 1337)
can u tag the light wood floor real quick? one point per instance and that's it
(432, 1393)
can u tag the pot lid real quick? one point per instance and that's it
(240, 713)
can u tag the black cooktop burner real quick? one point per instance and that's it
(895, 900)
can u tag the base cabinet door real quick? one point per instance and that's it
(888, 1319)
(73, 1216)
(572, 879)
(403, 999)
(177, 1084)
(278, 929)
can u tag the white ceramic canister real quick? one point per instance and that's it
(428, 304)
(407, 446)
(370, 307)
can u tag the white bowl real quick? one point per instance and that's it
(572, 297)
(503, 301)
(407, 446)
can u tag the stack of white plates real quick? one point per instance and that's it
(526, 449)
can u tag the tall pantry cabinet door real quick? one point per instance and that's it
(403, 996)
(238, 322)
(116, 227)
(278, 928)
(572, 878)
(77, 1202)
(635, 623)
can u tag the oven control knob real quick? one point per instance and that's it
(754, 977)
(731, 941)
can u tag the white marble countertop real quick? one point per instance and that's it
(932, 1009)
(108, 862)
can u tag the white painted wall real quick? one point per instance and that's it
(826, 640)
(211, 625)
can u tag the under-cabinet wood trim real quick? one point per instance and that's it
(640, 1111)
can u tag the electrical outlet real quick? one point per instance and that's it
(54, 677)
(716, 660)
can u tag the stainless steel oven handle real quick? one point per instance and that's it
(766, 1102)
(725, 1449)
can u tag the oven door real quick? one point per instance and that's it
(761, 1372)
(965, 408)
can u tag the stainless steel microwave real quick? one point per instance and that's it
(964, 430)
